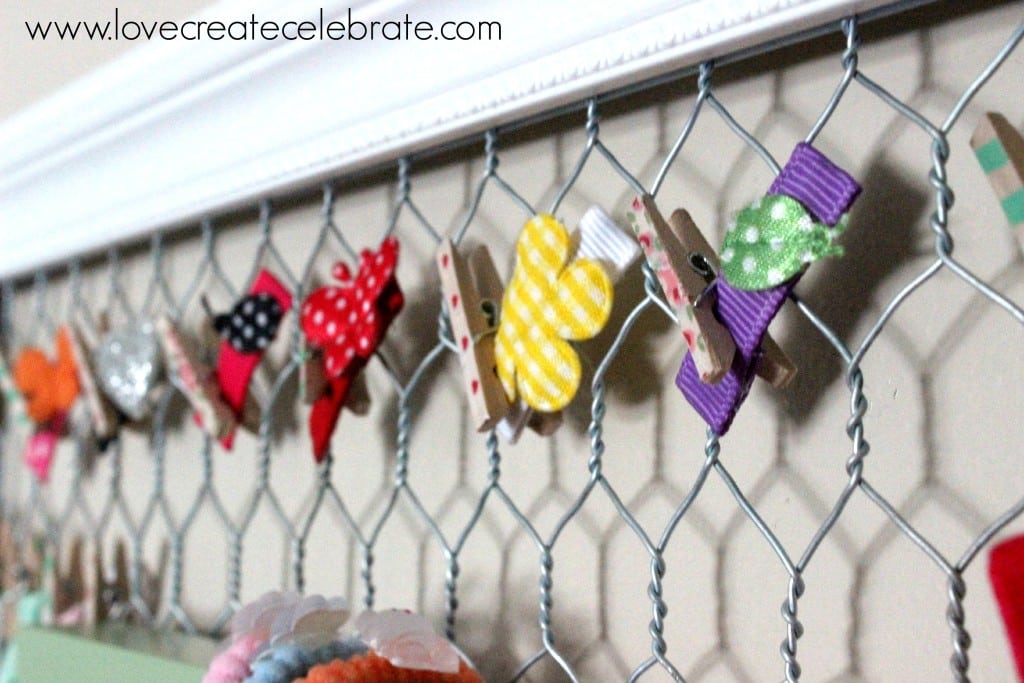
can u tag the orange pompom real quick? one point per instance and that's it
(370, 668)
(49, 388)
(32, 373)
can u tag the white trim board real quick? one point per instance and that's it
(175, 130)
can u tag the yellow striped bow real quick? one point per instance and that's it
(548, 302)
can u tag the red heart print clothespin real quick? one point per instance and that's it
(347, 323)
(246, 332)
(686, 266)
(472, 294)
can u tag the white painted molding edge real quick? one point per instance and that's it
(175, 130)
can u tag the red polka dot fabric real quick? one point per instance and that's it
(348, 322)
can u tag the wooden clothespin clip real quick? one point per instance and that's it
(195, 380)
(151, 585)
(600, 239)
(8, 557)
(69, 590)
(685, 274)
(472, 293)
(312, 378)
(102, 415)
(313, 383)
(1000, 150)
(775, 367)
(111, 596)
(8, 579)
(33, 605)
(686, 266)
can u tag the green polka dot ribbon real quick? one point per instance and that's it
(772, 240)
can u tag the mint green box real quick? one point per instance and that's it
(111, 653)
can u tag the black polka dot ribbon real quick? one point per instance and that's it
(252, 324)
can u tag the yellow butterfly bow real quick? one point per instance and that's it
(548, 303)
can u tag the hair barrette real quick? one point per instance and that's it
(346, 324)
(246, 331)
(561, 291)
(766, 250)
(127, 364)
(472, 292)
(686, 267)
(49, 389)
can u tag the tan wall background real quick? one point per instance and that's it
(31, 69)
(943, 383)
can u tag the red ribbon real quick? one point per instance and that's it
(234, 368)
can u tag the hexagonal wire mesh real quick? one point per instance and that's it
(456, 524)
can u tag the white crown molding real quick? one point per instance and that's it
(175, 130)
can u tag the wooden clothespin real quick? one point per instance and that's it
(313, 383)
(472, 293)
(686, 266)
(34, 604)
(1000, 151)
(195, 380)
(8, 557)
(69, 589)
(112, 595)
(102, 415)
(8, 578)
(775, 367)
(685, 271)
(312, 378)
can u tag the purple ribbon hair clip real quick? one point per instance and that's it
(765, 253)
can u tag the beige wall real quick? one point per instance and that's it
(32, 69)
(943, 383)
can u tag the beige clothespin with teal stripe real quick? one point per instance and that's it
(1000, 150)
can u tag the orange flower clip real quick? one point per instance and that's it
(50, 389)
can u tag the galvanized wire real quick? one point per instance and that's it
(403, 495)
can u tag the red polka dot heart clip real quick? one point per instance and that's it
(347, 323)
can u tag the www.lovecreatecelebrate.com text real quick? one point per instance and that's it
(253, 28)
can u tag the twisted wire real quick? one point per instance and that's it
(34, 508)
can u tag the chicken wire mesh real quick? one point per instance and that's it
(560, 558)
